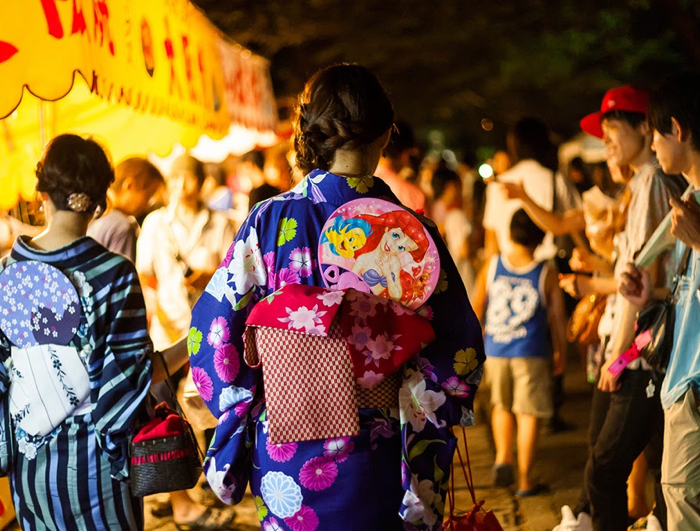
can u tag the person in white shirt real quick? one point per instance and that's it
(179, 248)
(535, 165)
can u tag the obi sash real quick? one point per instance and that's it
(325, 354)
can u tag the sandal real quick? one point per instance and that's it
(161, 509)
(210, 520)
(540, 488)
(502, 474)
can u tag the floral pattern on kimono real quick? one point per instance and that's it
(396, 471)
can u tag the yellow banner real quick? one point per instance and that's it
(161, 57)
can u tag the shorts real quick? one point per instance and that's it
(521, 385)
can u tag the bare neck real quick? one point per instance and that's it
(693, 171)
(354, 163)
(63, 229)
(520, 256)
(644, 156)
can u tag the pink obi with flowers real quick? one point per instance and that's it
(325, 354)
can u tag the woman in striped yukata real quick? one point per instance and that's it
(67, 467)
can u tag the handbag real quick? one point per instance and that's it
(583, 323)
(478, 518)
(163, 454)
(655, 323)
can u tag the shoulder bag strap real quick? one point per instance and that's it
(179, 410)
(682, 266)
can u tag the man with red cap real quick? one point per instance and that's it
(626, 410)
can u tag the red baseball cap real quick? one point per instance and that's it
(628, 99)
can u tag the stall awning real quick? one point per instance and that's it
(139, 75)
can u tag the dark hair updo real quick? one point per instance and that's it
(74, 165)
(342, 107)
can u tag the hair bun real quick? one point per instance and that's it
(342, 107)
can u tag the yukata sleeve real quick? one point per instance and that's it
(215, 344)
(453, 363)
(437, 393)
(120, 377)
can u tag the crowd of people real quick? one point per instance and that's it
(197, 261)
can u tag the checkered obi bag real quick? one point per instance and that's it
(325, 354)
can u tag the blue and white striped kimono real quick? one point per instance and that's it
(73, 477)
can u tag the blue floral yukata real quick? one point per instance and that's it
(393, 475)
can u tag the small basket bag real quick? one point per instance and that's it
(164, 454)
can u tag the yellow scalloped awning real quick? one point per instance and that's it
(139, 75)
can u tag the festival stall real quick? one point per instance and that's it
(139, 76)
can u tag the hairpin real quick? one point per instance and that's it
(79, 202)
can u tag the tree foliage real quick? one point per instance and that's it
(450, 63)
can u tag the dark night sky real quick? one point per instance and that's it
(449, 64)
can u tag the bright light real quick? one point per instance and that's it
(485, 171)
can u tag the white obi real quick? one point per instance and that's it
(48, 384)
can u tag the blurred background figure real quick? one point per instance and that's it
(180, 247)
(136, 188)
(579, 175)
(277, 170)
(396, 167)
(252, 167)
(10, 228)
(535, 163)
(455, 228)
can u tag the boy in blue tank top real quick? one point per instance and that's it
(524, 305)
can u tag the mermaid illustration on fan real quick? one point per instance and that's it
(377, 243)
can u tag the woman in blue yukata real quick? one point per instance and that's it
(64, 432)
(394, 474)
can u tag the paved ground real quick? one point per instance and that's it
(561, 459)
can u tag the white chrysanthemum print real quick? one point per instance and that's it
(281, 494)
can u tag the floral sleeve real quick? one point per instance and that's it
(438, 393)
(215, 345)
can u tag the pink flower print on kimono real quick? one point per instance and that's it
(305, 319)
(203, 383)
(227, 362)
(272, 525)
(304, 520)
(318, 473)
(281, 452)
(218, 332)
(456, 387)
(301, 261)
